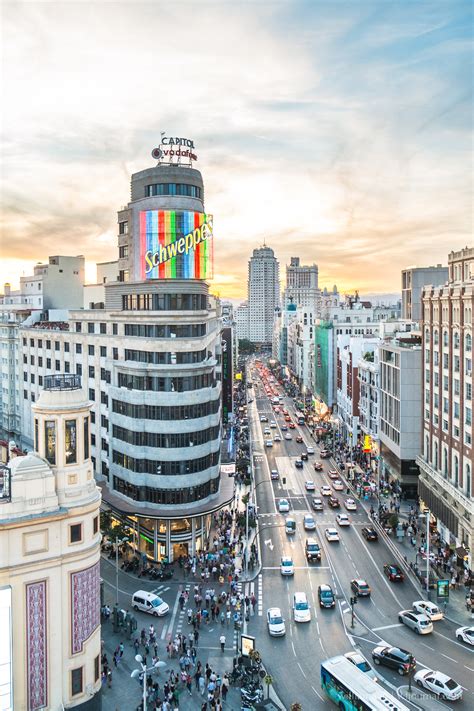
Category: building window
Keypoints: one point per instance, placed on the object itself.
(36, 435)
(86, 438)
(75, 533)
(468, 391)
(93, 440)
(71, 441)
(103, 398)
(48, 363)
(78, 327)
(76, 681)
(78, 369)
(123, 228)
(32, 343)
(103, 328)
(103, 352)
(123, 251)
(468, 342)
(40, 362)
(66, 367)
(115, 329)
(91, 350)
(48, 345)
(95, 525)
(40, 380)
(468, 413)
(97, 668)
(92, 394)
(90, 328)
(91, 371)
(57, 346)
(66, 347)
(78, 347)
(50, 441)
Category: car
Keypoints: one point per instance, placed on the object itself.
(263, 418)
(310, 450)
(301, 608)
(325, 490)
(429, 609)
(326, 596)
(290, 526)
(360, 587)
(283, 506)
(275, 622)
(393, 573)
(317, 504)
(332, 535)
(284, 428)
(440, 684)
(395, 658)
(287, 418)
(310, 485)
(370, 534)
(269, 443)
(286, 565)
(465, 634)
(343, 519)
(287, 435)
(421, 624)
(274, 475)
(267, 431)
(299, 464)
(333, 474)
(350, 505)
(273, 425)
(292, 425)
(299, 439)
(304, 456)
(325, 454)
(309, 523)
(147, 601)
(285, 412)
(361, 663)
(338, 485)
(333, 502)
(312, 550)
(277, 438)
(318, 466)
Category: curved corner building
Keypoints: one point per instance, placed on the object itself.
(164, 396)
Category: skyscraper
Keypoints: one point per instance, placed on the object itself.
(263, 294)
(302, 285)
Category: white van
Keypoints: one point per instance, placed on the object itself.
(301, 609)
(149, 602)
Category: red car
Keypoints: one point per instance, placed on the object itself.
(292, 425)
(393, 573)
(299, 439)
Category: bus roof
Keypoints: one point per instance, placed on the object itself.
(358, 682)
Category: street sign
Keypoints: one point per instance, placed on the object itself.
(442, 589)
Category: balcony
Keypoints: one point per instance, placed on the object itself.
(456, 494)
(5, 484)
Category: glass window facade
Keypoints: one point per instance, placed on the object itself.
(173, 189)
(166, 496)
(70, 441)
(86, 438)
(50, 441)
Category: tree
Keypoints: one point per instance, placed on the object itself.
(393, 521)
(246, 346)
(111, 528)
(296, 707)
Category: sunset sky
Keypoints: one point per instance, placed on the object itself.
(337, 131)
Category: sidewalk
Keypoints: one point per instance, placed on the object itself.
(409, 555)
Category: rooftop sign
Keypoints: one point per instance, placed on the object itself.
(172, 150)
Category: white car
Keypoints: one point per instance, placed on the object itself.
(273, 425)
(287, 435)
(286, 565)
(277, 438)
(301, 608)
(337, 485)
(421, 624)
(263, 418)
(429, 609)
(267, 431)
(332, 535)
(310, 485)
(465, 634)
(310, 450)
(361, 663)
(343, 519)
(440, 684)
(326, 490)
(275, 622)
(269, 443)
(350, 505)
(309, 523)
(283, 506)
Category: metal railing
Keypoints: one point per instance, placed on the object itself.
(5, 484)
(62, 382)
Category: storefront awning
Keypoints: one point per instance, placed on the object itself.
(461, 552)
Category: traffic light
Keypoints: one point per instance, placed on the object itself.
(353, 600)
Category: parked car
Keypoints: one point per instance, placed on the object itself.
(394, 658)
(393, 573)
(361, 663)
(429, 609)
(334, 502)
(421, 624)
(440, 684)
(317, 504)
(370, 534)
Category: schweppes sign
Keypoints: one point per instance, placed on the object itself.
(176, 244)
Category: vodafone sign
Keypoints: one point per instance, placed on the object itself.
(173, 149)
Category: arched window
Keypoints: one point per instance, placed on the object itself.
(445, 338)
(427, 335)
(468, 342)
(456, 339)
(436, 337)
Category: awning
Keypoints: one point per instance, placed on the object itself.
(461, 552)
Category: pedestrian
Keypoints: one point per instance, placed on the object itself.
(136, 644)
(222, 641)
(121, 649)
(224, 690)
(189, 682)
(196, 638)
(202, 685)
(109, 678)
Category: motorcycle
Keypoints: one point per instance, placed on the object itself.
(252, 694)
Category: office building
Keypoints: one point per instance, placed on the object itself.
(302, 286)
(242, 321)
(94, 294)
(413, 282)
(49, 560)
(263, 294)
(446, 460)
(56, 285)
(151, 365)
(349, 350)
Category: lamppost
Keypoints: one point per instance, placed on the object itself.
(118, 541)
(144, 670)
(427, 512)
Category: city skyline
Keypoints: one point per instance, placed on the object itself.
(356, 158)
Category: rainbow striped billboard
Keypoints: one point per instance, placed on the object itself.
(176, 244)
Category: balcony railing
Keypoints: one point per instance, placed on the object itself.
(62, 382)
(5, 484)
(455, 493)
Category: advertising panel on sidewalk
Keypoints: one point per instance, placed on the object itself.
(247, 645)
(442, 589)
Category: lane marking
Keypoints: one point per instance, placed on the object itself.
(453, 641)
(301, 670)
(450, 658)
(293, 646)
(378, 570)
(387, 627)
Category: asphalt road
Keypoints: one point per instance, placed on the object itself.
(294, 660)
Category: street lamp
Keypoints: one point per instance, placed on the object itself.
(136, 673)
(118, 541)
(427, 512)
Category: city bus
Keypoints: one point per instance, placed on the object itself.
(352, 690)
